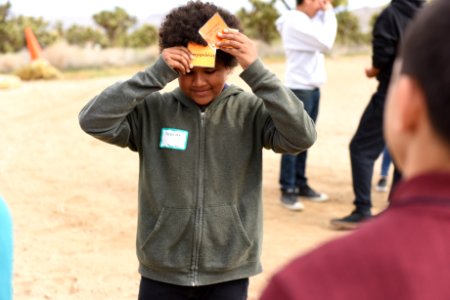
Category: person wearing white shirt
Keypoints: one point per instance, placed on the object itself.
(307, 33)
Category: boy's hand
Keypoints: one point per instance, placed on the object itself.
(238, 45)
(178, 58)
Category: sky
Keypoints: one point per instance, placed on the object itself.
(81, 11)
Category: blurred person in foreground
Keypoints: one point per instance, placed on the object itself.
(6, 252)
(403, 253)
(307, 32)
(200, 151)
(368, 142)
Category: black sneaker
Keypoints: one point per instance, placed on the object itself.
(308, 193)
(351, 221)
(382, 185)
(290, 201)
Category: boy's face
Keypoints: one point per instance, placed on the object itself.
(203, 85)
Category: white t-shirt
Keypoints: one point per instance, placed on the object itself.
(305, 40)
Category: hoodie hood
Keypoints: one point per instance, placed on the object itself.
(408, 7)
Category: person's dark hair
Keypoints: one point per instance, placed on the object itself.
(426, 58)
(181, 26)
(299, 2)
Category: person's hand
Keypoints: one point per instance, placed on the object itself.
(178, 58)
(238, 45)
(372, 72)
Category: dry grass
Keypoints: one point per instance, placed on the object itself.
(87, 62)
(38, 69)
(66, 57)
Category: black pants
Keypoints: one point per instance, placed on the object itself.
(230, 290)
(365, 147)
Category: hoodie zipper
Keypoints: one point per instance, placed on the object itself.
(198, 218)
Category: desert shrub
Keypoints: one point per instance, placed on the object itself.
(38, 69)
(349, 30)
(12, 31)
(84, 36)
(116, 24)
(144, 36)
(259, 21)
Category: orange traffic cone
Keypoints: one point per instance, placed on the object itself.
(32, 43)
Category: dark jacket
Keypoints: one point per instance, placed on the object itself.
(200, 208)
(387, 35)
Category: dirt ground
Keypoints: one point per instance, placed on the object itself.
(73, 198)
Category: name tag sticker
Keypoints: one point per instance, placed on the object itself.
(172, 138)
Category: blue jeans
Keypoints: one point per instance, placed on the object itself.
(293, 167)
(385, 162)
(6, 252)
(231, 290)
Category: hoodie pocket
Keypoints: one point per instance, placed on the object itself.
(169, 244)
(225, 243)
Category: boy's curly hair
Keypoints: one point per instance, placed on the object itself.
(181, 26)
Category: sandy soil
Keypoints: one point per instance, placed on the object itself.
(73, 198)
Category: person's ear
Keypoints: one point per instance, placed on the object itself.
(411, 104)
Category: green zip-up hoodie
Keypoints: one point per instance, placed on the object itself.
(200, 176)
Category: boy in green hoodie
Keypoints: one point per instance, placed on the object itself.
(200, 154)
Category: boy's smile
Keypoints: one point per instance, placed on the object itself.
(203, 85)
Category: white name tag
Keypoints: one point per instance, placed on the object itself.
(172, 138)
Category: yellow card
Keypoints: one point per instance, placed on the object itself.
(211, 28)
(204, 56)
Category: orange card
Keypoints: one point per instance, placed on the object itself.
(204, 56)
(211, 28)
